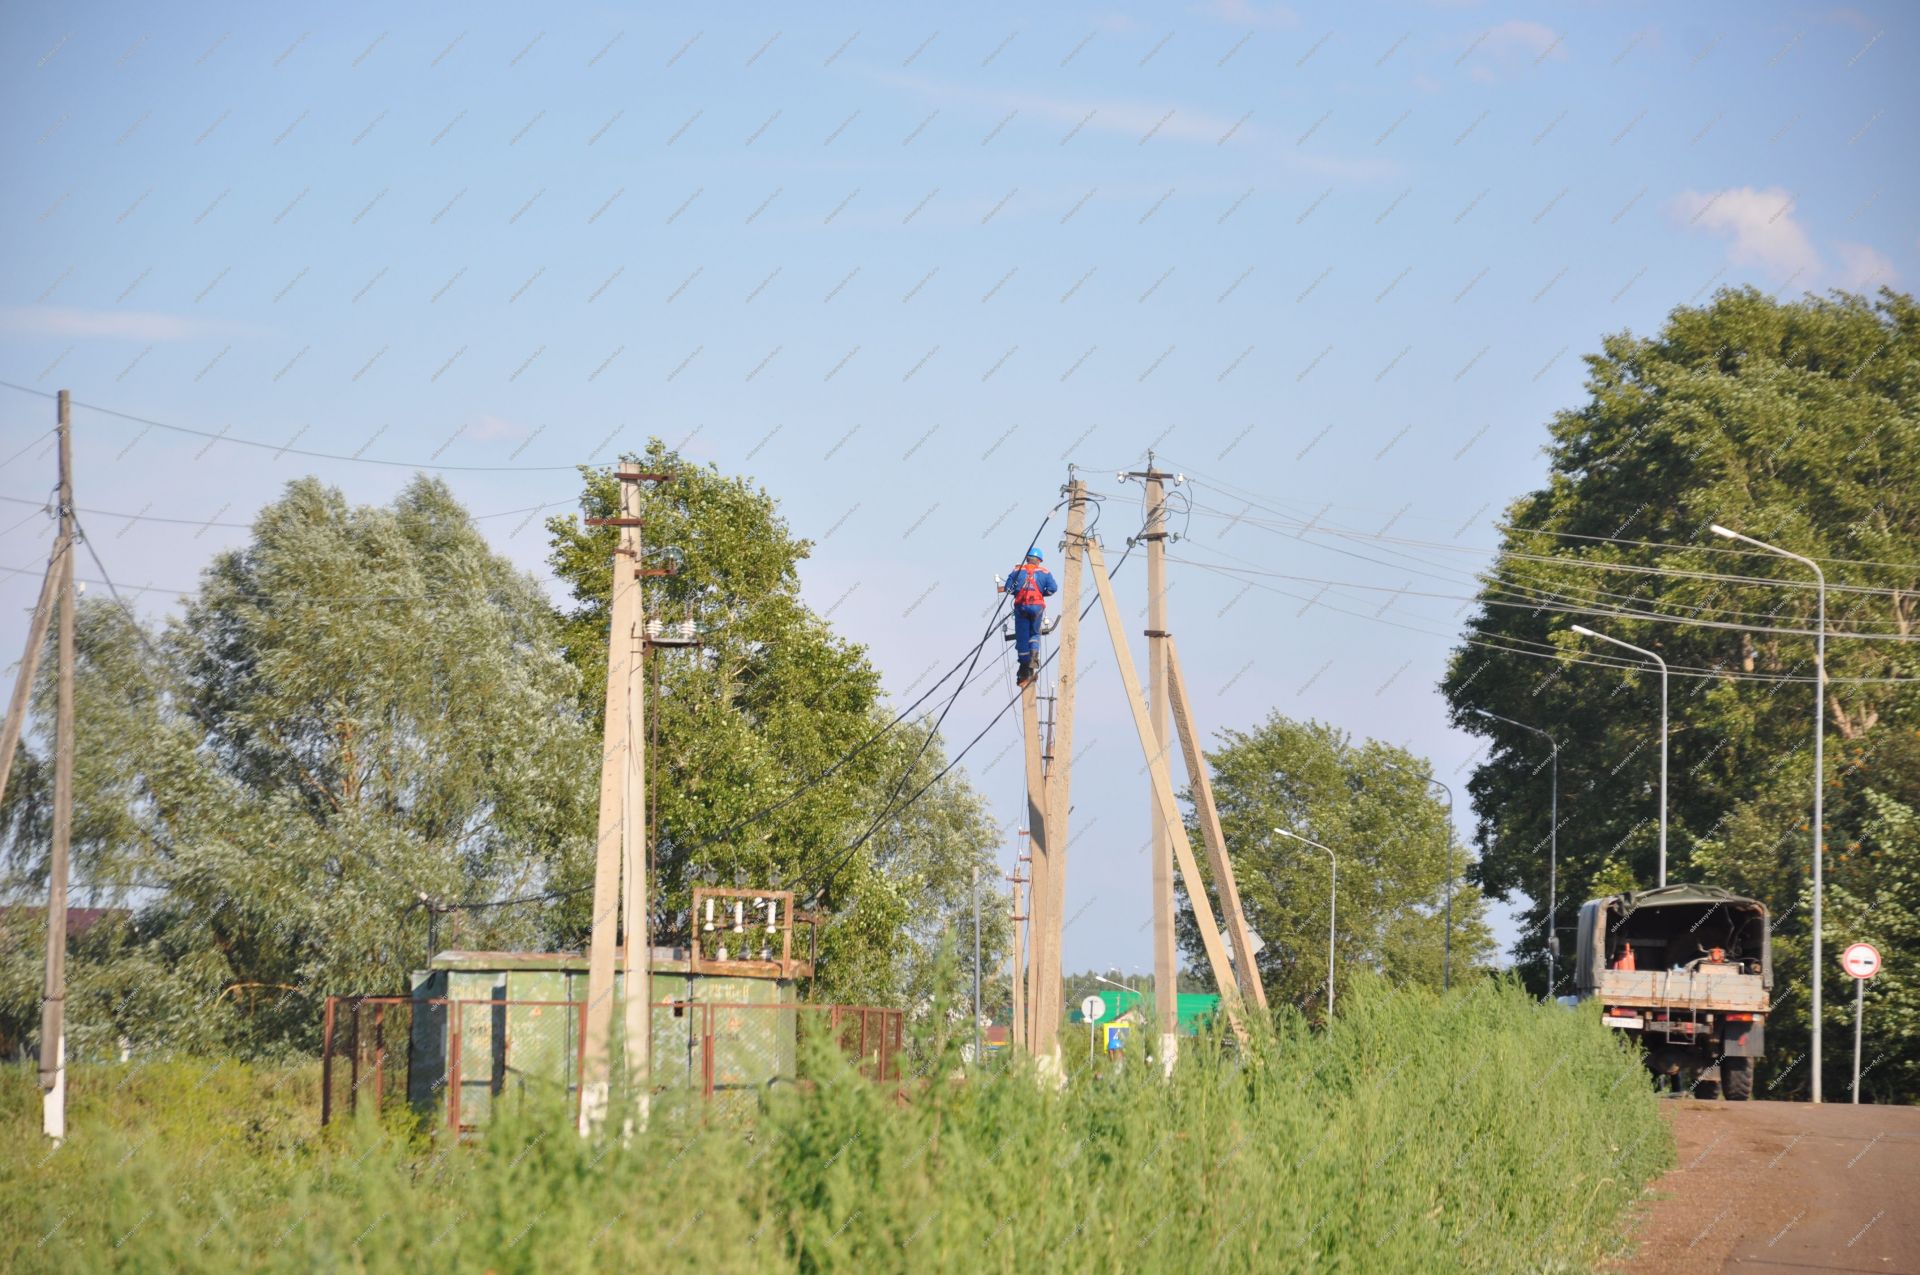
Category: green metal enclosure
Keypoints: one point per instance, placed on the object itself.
(519, 1019)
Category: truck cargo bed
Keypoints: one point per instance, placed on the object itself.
(1678, 989)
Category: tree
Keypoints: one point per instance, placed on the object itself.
(1372, 806)
(1798, 423)
(750, 734)
(360, 707)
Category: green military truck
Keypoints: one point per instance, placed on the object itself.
(1688, 971)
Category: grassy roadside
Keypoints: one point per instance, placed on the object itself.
(1482, 1131)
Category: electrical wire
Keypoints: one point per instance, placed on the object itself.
(1555, 653)
(1254, 498)
(282, 449)
(1490, 580)
(38, 439)
(196, 522)
(1534, 604)
(1312, 527)
(957, 757)
(968, 661)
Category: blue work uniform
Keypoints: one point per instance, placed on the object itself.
(1028, 586)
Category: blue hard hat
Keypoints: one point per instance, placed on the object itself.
(1035, 554)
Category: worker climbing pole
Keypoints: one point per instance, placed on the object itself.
(1031, 585)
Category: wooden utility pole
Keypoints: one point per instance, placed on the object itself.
(1167, 808)
(1040, 1033)
(1202, 784)
(1017, 1028)
(1051, 1002)
(1166, 960)
(29, 664)
(619, 777)
(53, 1008)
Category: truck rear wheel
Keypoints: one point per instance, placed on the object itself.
(1736, 1078)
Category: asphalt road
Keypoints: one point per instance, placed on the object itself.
(1785, 1187)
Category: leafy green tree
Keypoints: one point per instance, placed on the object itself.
(359, 707)
(1370, 803)
(1798, 423)
(747, 730)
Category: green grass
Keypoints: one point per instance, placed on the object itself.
(1481, 1131)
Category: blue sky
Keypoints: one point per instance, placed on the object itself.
(903, 265)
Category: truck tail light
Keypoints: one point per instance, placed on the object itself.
(1737, 1018)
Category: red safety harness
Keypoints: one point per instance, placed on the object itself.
(1028, 594)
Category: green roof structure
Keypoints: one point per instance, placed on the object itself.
(1194, 1012)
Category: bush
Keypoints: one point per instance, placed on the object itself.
(1476, 1131)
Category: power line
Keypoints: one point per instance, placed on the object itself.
(197, 522)
(1551, 652)
(1242, 494)
(1535, 605)
(968, 660)
(285, 450)
(957, 757)
(38, 440)
(1312, 526)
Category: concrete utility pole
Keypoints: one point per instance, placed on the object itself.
(620, 778)
(53, 1009)
(636, 964)
(1040, 1033)
(1202, 784)
(1017, 1028)
(1050, 1004)
(1169, 809)
(1166, 960)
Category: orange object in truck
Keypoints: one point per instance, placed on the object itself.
(1626, 959)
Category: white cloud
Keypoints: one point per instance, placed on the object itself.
(487, 428)
(1129, 119)
(1759, 223)
(1863, 269)
(1246, 13)
(1524, 39)
(1851, 17)
(127, 325)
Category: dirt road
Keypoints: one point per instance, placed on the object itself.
(1785, 1187)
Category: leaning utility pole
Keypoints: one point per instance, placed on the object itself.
(29, 664)
(1166, 961)
(1166, 806)
(1051, 1001)
(53, 1009)
(1209, 814)
(621, 782)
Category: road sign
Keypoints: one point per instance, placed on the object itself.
(1862, 960)
(1255, 944)
(1093, 1008)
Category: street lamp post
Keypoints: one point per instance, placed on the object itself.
(1584, 631)
(1333, 905)
(1446, 958)
(976, 966)
(1553, 839)
(1819, 767)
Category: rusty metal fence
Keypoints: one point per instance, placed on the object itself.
(453, 1061)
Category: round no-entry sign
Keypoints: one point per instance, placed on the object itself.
(1862, 960)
